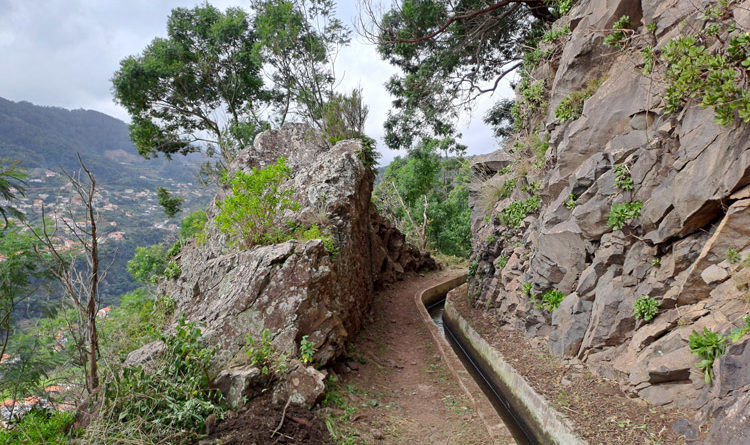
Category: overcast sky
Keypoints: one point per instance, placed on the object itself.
(64, 52)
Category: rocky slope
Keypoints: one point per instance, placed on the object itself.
(295, 288)
(686, 248)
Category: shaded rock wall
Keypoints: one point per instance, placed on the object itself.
(692, 176)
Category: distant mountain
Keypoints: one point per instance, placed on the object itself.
(50, 137)
(46, 139)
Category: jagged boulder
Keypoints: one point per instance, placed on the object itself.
(295, 288)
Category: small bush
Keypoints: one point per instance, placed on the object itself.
(570, 203)
(571, 106)
(172, 271)
(501, 262)
(176, 247)
(648, 60)
(617, 38)
(306, 350)
(623, 180)
(526, 288)
(622, 213)
(514, 214)
(166, 405)
(248, 213)
(39, 426)
(264, 355)
(193, 224)
(645, 308)
(507, 188)
(733, 256)
(708, 346)
(552, 299)
(553, 35)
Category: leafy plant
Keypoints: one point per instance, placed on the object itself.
(656, 262)
(526, 288)
(552, 299)
(651, 27)
(620, 27)
(264, 355)
(645, 308)
(507, 188)
(172, 271)
(491, 239)
(502, 260)
(514, 214)
(172, 204)
(193, 224)
(708, 346)
(248, 213)
(553, 35)
(733, 256)
(39, 426)
(740, 332)
(570, 203)
(306, 350)
(623, 180)
(148, 262)
(571, 106)
(168, 404)
(622, 213)
(719, 79)
(473, 268)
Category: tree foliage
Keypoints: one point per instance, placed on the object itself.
(12, 184)
(148, 262)
(202, 83)
(171, 204)
(449, 53)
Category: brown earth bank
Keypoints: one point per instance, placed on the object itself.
(600, 412)
(391, 388)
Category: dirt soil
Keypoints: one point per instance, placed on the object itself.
(601, 413)
(392, 388)
(256, 422)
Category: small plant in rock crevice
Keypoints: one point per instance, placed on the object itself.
(656, 262)
(623, 180)
(264, 355)
(526, 288)
(620, 32)
(553, 35)
(473, 268)
(306, 350)
(501, 262)
(550, 300)
(514, 214)
(740, 332)
(733, 256)
(622, 213)
(172, 271)
(571, 106)
(645, 308)
(570, 203)
(708, 346)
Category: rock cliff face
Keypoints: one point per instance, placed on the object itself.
(295, 288)
(691, 176)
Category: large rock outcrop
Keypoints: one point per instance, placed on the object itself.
(294, 288)
(691, 176)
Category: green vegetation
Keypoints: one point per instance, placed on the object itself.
(645, 308)
(40, 426)
(551, 299)
(491, 239)
(193, 224)
(172, 271)
(656, 262)
(553, 35)
(12, 185)
(501, 261)
(623, 180)
(171, 204)
(306, 350)
(167, 404)
(426, 183)
(473, 268)
(733, 256)
(622, 213)
(571, 106)
(148, 263)
(708, 346)
(621, 27)
(508, 186)
(526, 288)
(570, 203)
(740, 332)
(248, 213)
(514, 214)
(264, 355)
(719, 80)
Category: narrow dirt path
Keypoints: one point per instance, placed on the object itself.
(395, 388)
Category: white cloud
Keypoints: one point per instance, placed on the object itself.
(64, 52)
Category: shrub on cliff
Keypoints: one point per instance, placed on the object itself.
(247, 214)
